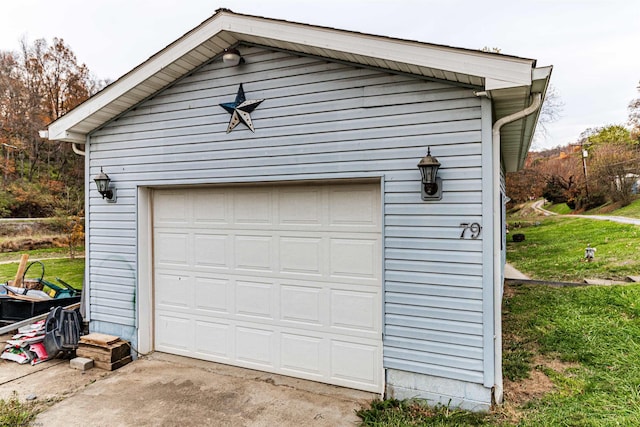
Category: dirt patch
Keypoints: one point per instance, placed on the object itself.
(518, 393)
(509, 292)
(609, 208)
(30, 228)
(31, 243)
(25, 234)
(523, 210)
(534, 387)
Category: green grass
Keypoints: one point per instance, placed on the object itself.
(69, 270)
(630, 211)
(586, 340)
(554, 249)
(393, 412)
(561, 208)
(14, 413)
(595, 331)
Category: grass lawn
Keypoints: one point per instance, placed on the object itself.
(560, 208)
(631, 211)
(69, 270)
(553, 249)
(584, 340)
(571, 358)
(571, 355)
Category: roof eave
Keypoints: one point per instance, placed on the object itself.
(207, 41)
(517, 137)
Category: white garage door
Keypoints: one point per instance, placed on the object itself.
(284, 279)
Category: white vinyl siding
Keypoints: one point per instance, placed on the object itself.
(319, 121)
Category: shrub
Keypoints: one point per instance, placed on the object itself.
(14, 413)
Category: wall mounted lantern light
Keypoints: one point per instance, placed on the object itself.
(103, 183)
(431, 184)
(232, 57)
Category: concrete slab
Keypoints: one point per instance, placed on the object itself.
(633, 278)
(510, 272)
(49, 381)
(171, 390)
(604, 282)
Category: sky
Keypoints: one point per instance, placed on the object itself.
(593, 45)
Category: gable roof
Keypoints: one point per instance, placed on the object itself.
(509, 81)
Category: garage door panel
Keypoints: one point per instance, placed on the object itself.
(211, 207)
(214, 339)
(174, 291)
(211, 250)
(254, 299)
(174, 334)
(301, 255)
(355, 310)
(172, 249)
(302, 353)
(255, 346)
(355, 362)
(170, 207)
(355, 207)
(301, 207)
(252, 252)
(301, 304)
(213, 294)
(253, 207)
(285, 279)
(354, 258)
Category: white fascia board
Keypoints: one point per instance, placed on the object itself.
(510, 70)
(541, 77)
(58, 129)
(507, 71)
(541, 73)
(66, 136)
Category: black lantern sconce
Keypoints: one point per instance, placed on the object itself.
(103, 183)
(232, 57)
(431, 183)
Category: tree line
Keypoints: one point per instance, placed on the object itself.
(601, 167)
(38, 84)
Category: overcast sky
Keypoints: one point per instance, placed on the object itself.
(594, 46)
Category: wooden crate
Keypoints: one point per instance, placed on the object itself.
(112, 366)
(110, 353)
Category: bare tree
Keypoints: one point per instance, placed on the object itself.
(615, 168)
(550, 112)
(38, 84)
(634, 117)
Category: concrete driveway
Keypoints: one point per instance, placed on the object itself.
(166, 390)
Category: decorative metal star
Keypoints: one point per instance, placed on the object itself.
(240, 110)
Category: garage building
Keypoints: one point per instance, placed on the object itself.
(265, 208)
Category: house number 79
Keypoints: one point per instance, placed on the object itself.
(473, 228)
